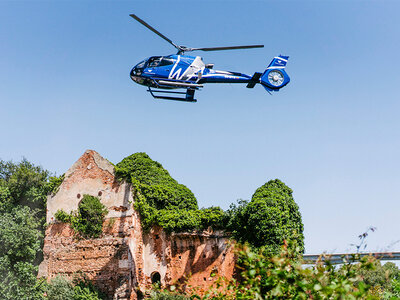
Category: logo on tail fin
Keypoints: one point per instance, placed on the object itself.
(278, 62)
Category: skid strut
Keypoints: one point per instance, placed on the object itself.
(158, 94)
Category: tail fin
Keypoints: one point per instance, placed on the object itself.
(279, 61)
(275, 77)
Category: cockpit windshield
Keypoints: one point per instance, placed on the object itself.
(166, 61)
(141, 65)
(154, 61)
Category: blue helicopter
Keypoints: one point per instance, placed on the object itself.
(162, 74)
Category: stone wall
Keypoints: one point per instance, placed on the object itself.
(125, 261)
(194, 260)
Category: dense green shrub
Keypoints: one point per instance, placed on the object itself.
(88, 220)
(54, 183)
(161, 200)
(180, 220)
(270, 218)
(284, 277)
(84, 289)
(62, 216)
(61, 288)
(166, 295)
(23, 193)
(213, 217)
(383, 279)
(154, 183)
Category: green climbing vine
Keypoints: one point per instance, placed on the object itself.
(87, 221)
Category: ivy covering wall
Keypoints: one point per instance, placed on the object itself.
(161, 200)
(269, 219)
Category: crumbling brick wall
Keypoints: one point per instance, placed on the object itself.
(125, 261)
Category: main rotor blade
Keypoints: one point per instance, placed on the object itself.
(227, 48)
(154, 30)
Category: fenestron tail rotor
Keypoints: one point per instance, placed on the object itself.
(182, 49)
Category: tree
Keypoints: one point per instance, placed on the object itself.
(269, 219)
(23, 193)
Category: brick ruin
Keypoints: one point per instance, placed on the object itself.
(125, 260)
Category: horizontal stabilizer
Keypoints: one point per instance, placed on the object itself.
(255, 79)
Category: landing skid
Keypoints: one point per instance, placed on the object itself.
(157, 94)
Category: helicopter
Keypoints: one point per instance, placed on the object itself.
(163, 75)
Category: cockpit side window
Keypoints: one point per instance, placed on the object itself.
(166, 61)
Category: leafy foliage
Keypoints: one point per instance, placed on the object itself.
(19, 236)
(18, 280)
(84, 289)
(23, 184)
(394, 291)
(383, 279)
(88, 220)
(63, 217)
(54, 183)
(61, 288)
(161, 200)
(180, 220)
(155, 184)
(269, 219)
(23, 193)
(284, 277)
(166, 295)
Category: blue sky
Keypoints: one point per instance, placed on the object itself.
(332, 134)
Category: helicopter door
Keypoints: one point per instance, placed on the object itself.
(195, 70)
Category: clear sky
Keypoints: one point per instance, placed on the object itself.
(332, 134)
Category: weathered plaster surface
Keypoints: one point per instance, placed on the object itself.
(92, 175)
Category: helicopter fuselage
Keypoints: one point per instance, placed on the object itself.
(179, 71)
(173, 71)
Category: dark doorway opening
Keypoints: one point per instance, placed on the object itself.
(155, 278)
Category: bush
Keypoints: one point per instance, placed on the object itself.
(60, 288)
(23, 194)
(284, 277)
(62, 216)
(160, 199)
(88, 220)
(269, 219)
(84, 289)
(382, 278)
(166, 295)
(54, 183)
(154, 183)
(90, 217)
(213, 217)
(179, 220)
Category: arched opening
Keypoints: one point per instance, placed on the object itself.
(155, 278)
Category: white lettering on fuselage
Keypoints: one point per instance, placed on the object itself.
(178, 72)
